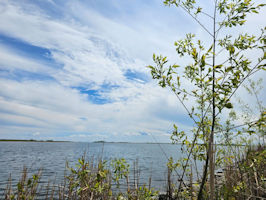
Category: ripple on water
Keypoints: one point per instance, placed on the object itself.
(52, 157)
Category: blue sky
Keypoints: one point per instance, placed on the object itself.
(75, 70)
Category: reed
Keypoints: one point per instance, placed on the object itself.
(89, 179)
(246, 179)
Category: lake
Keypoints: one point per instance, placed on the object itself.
(52, 156)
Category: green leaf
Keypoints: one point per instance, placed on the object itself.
(228, 105)
(218, 66)
(178, 81)
(29, 182)
(175, 66)
(210, 49)
(228, 69)
(198, 10)
(231, 49)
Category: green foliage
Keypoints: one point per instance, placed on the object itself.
(145, 193)
(27, 188)
(213, 83)
(87, 180)
(120, 169)
(248, 179)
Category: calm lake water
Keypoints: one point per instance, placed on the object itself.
(51, 157)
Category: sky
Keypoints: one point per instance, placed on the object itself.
(75, 70)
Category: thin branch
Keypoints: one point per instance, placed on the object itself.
(241, 82)
(210, 152)
(206, 14)
(180, 90)
(237, 126)
(202, 12)
(183, 104)
(164, 152)
(231, 57)
(222, 23)
(190, 152)
(257, 98)
(220, 51)
(195, 19)
(255, 71)
(191, 149)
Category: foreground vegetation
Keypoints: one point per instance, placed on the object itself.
(246, 179)
(89, 179)
(241, 179)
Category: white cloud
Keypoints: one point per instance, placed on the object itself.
(93, 50)
(54, 109)
(12, 61)
(86, 57)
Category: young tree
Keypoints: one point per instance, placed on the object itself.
(215, 73)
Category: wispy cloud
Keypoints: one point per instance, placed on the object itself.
(72, 70)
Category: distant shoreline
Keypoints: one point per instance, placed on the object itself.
(99, 142)
(10, 140)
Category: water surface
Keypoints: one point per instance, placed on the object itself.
(52, 156)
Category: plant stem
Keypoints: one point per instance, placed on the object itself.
(210, 152)
(211, 141)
